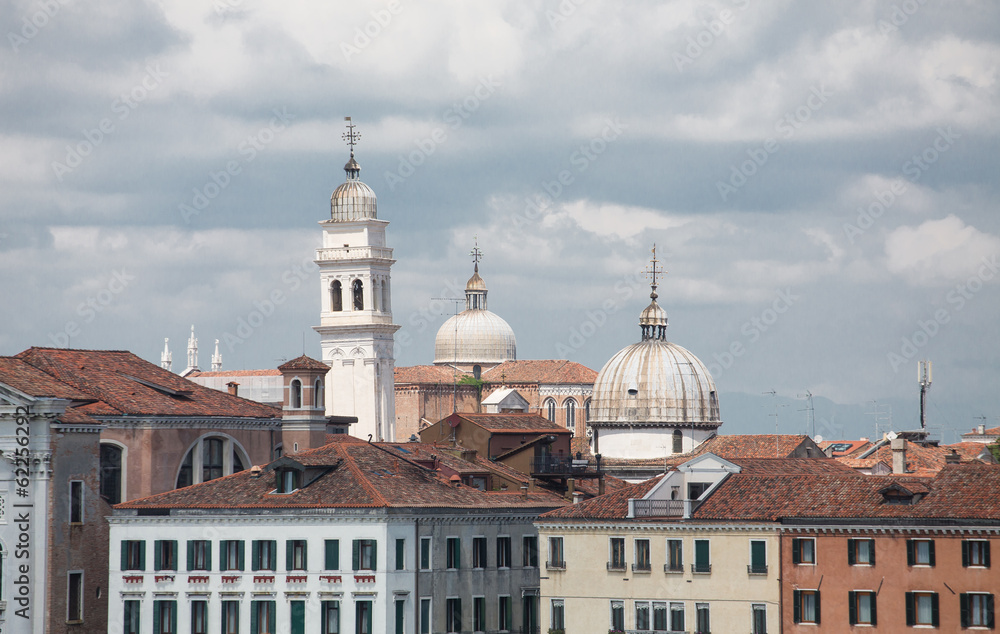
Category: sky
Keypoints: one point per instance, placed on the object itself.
(819, 179)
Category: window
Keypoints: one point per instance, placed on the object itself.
(76, 502)
(453, 552)
(425, 553)
(425, 615)
(503, 552)
(111, 473)
(336, 297)
(295, 394)
(529, 555)
(262, 617)
(264, 554)
(164, 617)
(230, 617)
(922, 608)
(550, 409)
(199, 617)
(330, 617)
(165, 554)
(642, 615)
(231, 554)
(556, 559)
(977, 610)
(74, 597)
(296, 556)
(678, 441)
(861, 552)
(976, 553)
(861, 608)
(659, 615)
(570, 413)
(616, 556)
(318, 394)
(357, 290)
(400, 616)
(131, 618)
(210, 458)
(702, 618)
(695, 489)
(331, 554)
(287, 480)
(675, 556)
(805, 606)
(478, 614)
(676, 617)
(920, 552)
(702, 559)
(401, 554)
(364, 556)
(758, 618)
(642, 562)
(803, 550)
(478, 552)
(618, 615)
(133, 554)
(505, 613)
(758, 557)
(453, 615)
(586, 410)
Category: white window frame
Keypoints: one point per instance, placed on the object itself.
(69, 585)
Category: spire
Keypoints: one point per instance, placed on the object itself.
(216, 358)
(166, 357)
(475, 288)
(192, 351)
(352, 136)
(653, 320)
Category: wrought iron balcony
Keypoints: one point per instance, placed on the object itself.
(758, 569)
(701, 568)
(560, 465)
(616, 565)
(664, 508)
(669, 568)
(641, 567)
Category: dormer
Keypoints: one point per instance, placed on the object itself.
(899, 494)
(290, 475)
(680, 492)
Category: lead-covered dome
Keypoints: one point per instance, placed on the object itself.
(353, 200)
(475, 336)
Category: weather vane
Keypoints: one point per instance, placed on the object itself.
(654, 269)
(352, 136)
(476, 253)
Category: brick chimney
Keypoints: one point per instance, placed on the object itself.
(899, 455)
(952, 457)
(234, 388)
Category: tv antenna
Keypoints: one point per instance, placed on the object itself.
(810, 412)
(777, 450)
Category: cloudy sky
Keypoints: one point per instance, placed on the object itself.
(820, 180)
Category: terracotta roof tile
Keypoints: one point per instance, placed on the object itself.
(24, 377)
(612, 505)
(549, 371)
(426, 374)
(303, 363)
(514, 422)
(236, 373)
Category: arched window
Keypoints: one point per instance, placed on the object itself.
(295, 398)
(111, 473)
(586, 411)
(385, 296)
(375, 295)
(570, 413)
(336, 297)
(678, 441)
(550, 410)
(359, 298)
(318, 393)
(210, 458)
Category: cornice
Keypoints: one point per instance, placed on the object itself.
(190, 422)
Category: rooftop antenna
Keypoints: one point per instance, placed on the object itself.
(777, 450)
(880, 415)
(454, 365)
(810, 412)
(924, 379)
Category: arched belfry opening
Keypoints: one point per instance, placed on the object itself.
(336, 297)
(357, 291)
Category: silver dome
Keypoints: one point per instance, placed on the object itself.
(352, 200)
(475, 336)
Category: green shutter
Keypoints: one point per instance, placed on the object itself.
(871, 557)
(157, 559)
(910, 555)
(965, 558)
(400, 550)
(124, 555)
(289, 559)
(817, 607)
(796, 604)
(208, 555)
(223, 554)
(253, 617)
(796, 553)
(190, 555)
(934, 608)
(701, 558)
(399, 616)
(963, 599)
(758, 554)
(930, 547)
(254, 554)
(910, 620)
(305, 555)
(374, 555)
(298, 617)
(240, 555)
(986, 555)
(356, 554)
(173, 616)
(272, 561)
(852, 607)
(851, 558)
(990, 621)
(272, 616)
(156, 616)
(332, 554)
(142, 554)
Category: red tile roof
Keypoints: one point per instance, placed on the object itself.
(921, 460)
(523, 423)
(360, 475)
(123, 384)
(548, 371)
(426, 374)
(612, 505)
(303, 363)
(729, 447)
(28, 379)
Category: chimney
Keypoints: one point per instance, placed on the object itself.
(524, 491)
(234, 388)
(577, 496)
(952, 457)
(981, 430)
(899, 455)
(571, 489)
(600, 485)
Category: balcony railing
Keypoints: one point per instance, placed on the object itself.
(701, 568)
(664, 508)
(555, 565)
(616, 565)
(757, 569)
(673, 568)
(641, 567)
(354, 253)
(556, 465)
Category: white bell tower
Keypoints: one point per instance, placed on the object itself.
(356, 329)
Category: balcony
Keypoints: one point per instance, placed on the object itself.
(757, 569)
(642, 567)
(663, 508)
(617, 566)
(555, 565)
(701, 569)
(556, 465)
(671, 568)
(354, 253)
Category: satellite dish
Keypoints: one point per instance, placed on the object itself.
(891, 436)
(818, 439)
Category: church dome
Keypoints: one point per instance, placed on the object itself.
(475, 337)
(352, 200)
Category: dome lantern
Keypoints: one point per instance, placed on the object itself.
(352, 200)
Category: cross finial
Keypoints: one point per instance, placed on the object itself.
(476, 253)
(352, 136)
(653, 270)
